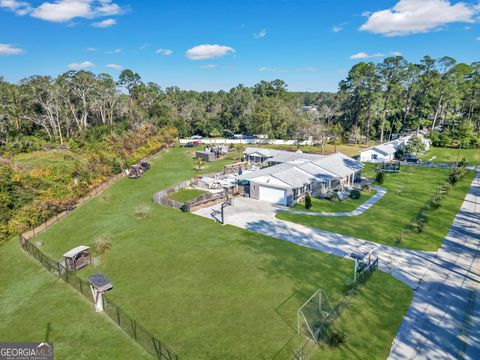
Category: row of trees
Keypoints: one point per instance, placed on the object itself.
(379, 99)
(373, 102)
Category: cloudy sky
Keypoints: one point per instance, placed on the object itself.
(213, 44)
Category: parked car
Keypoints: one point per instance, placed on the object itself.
(193, 143)
(196, 137)
(411, 158)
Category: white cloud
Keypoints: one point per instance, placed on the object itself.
(104, 23)
(261, 34)
(418, 16)
(269, 69)
(114, 51)
(395, 53)
(63, 10)
(7, 49)
(478, 38)
(339, 27)
(115, 66)
(208, 51)
(90, 49)
(67, 10)
(308, 69)
(81, 66)
(364, 55)
(166, 52)
(209, 66)
(18, 7)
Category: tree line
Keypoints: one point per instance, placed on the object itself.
(373, 102)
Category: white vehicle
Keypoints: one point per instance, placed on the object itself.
(196, 137)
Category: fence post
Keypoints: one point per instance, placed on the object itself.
(118, 314)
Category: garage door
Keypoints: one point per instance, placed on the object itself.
(276, 196)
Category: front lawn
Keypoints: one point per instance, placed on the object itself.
(408, 192)
(185, 195)
(325, 205)
(211, 291)
(448, 155)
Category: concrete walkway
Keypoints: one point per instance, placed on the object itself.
(380, 192)
(443, 321)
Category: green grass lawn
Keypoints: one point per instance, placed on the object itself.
(446, 155)
(36, 306)
(211, 291)
(325, 205)
(408, 191)
(185, 195)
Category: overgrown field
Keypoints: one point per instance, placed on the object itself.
(211, 291)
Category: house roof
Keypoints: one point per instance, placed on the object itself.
(261, 151)
(282, 156)
(296, 175)
(339, 164)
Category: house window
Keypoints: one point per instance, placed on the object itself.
(374, 157)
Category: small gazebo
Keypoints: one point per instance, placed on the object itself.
(77, 258)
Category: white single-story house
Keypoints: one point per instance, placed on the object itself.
(386, 152)
(294, 174)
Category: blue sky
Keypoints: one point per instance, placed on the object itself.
(212, 45)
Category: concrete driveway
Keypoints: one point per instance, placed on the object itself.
(259, 216)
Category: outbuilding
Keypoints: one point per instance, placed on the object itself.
(77, 258)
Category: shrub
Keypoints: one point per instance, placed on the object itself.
(436, 200)
(335, 337)
(143, 212)
(102, 244)
(380, 177)
(334, 198)
(355, 194)
(308, 202)
(366, 188)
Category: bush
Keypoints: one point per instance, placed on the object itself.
(380, 177)
(355, 194)
(334, 198)
(308, 202)
(335, 337)
(102, 244)
(366, 188)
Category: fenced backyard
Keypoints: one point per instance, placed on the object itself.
(125, 321)
(163, 197)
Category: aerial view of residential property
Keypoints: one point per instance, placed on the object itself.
(239, 180)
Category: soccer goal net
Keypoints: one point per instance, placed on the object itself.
(315, 315)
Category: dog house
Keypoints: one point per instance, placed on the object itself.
(99, 284)
(77, 258)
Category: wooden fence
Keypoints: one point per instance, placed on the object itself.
(163, 197)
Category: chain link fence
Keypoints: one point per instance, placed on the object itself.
(125, 321)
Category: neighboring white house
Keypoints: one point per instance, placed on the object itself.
(291, 174)
(386, 152)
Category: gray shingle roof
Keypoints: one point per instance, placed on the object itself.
(298, 174)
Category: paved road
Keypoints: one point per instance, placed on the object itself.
(406, 265)
(358, 211)
(443, 321)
